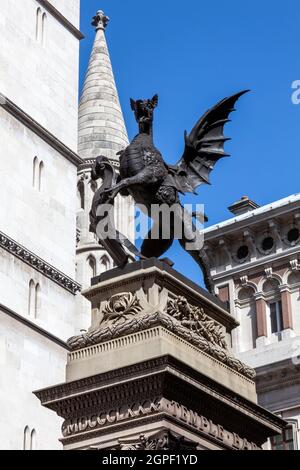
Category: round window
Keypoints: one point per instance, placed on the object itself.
(293, 235)
(267, 244)
(242, 252)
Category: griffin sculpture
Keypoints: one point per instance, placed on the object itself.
(149, 180)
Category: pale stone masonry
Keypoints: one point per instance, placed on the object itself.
(39, 59)
(102, 129)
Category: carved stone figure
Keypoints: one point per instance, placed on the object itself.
(149, 180)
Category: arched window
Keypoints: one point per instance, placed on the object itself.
(44, 29)
(31, 299)
(38, 174)
(276, 319)
(246, 293)
(80, 195)
(270, 286)
(104, 264)
(294, 278)
(35, 172)
(274, 306)
(26, 438)
(33, 440)
(29, 439)
(41, 175)
(39, 25)
(37, 300)
(34, 299)
(91, 264)
(246, 310)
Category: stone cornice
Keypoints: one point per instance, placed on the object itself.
(33, 326)
(61, 18)
(237, 225)
(88, 247)
(39, 130)
(277, 375)
(250, 265)
(38, 264)
(154, 377)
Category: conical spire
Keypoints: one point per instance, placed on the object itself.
(102, 129)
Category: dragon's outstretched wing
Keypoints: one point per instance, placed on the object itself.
(204, 146)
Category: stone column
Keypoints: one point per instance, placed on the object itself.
(261, 319)
(287, 316)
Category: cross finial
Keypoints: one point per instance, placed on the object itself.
(100, 21)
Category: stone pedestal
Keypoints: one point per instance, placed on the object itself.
(156, 370)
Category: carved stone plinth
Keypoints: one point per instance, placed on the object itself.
(155, 371)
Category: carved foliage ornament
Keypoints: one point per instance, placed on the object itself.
(123, 315)
(120, 307)
(194, 319)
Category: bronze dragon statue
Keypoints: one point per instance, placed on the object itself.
(149, 180)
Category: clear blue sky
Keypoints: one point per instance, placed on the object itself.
(194, 53)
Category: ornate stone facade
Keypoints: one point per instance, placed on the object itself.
(128, 313)
(255, 266)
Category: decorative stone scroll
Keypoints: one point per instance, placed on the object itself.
(124, 314)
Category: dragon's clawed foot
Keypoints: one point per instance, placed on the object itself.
(109, 195)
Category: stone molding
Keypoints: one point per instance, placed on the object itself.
(38, 264)
(126, 314)
(141, 387)
(255, 264)
(62, 397)
(155, 271)
(276, 376)
(61, 18)
(157, 442)
(139, 337)
(88, 163)
(34, 327)
(39, 130)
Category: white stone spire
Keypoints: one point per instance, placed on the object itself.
(102, 129)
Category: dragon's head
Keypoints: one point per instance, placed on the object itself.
(143, 111)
